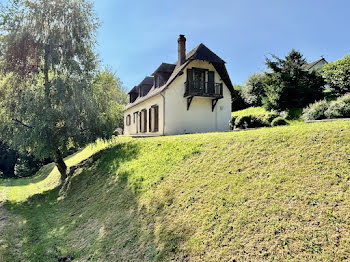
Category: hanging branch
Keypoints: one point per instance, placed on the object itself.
(21, 123)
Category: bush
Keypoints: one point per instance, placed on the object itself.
(279, 121)
(339, 108)
(249, 121)
(270, 116)
(323, 109)
(316, 111)
(242, 121)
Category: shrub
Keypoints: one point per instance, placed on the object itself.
(339, 108)
(316, 110)
(323, 109)
(233, 120)
(250, 122)
(270, 116)
(242, 121)
(279, 121)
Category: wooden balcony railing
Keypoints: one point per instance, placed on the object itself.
(205, 89)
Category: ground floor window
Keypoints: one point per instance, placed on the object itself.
(128, 120)
(154, 118)
(143, 121)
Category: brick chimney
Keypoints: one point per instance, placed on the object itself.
(181, 49)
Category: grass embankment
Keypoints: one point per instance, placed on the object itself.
(254, 111)
(274, 194)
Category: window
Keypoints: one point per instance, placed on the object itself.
(135, 117)
(153, 118)
(128, 120)
(143, 121)
(156, 117)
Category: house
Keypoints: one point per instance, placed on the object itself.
(316, 65)
(192, 95)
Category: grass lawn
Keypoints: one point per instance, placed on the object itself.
(271, 194)
(254, 111)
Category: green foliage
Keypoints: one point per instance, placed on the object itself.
(316, 110)
(336, 75)
(279, 121)
(52, 99)
(237, 99)
(324, 109)
(339, 108)
(268, 117)
(8, 159)
(110, 87)
(254, 90)
(289, 85)
(250, 121)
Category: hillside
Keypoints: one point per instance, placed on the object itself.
(269, 194)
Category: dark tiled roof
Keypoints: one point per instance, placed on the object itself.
(311, 65)
(200, 52)
(165, 67)
(147, 81)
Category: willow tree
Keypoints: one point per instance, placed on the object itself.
(48, 66)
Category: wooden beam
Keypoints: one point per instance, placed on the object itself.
(213, 104)
(189, 101)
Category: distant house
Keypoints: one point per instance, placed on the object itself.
(316, 65)
(192, 95)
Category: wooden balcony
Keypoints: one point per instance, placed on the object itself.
(203, 89)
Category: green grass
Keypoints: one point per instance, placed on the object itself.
(254, 111)
(271, 194)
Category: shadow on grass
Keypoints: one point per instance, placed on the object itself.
(43, 173)
(99, 218)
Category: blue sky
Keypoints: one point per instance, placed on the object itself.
(136, 36)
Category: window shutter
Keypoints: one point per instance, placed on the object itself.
(144, 120)
(156, 116)
(150, 120)
(211, 82)
(189, 83)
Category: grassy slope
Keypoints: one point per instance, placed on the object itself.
(268, 194)
(254, 111)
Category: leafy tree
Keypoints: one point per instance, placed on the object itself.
(237, 99)
(288, 85)
(337, 75)
(254, 90)
(109, 84)
(49, 100)
(8, 159)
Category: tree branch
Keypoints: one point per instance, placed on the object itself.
(21, 123)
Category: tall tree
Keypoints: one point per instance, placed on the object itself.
(254, 90)
(337, 75)
(288, 85)
(48, 67)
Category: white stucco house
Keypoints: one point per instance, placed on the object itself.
(192, 95)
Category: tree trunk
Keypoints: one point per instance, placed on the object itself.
(61, 166)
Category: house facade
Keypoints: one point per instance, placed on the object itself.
(192, 95)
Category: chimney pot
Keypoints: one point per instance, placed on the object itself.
(181, 49)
